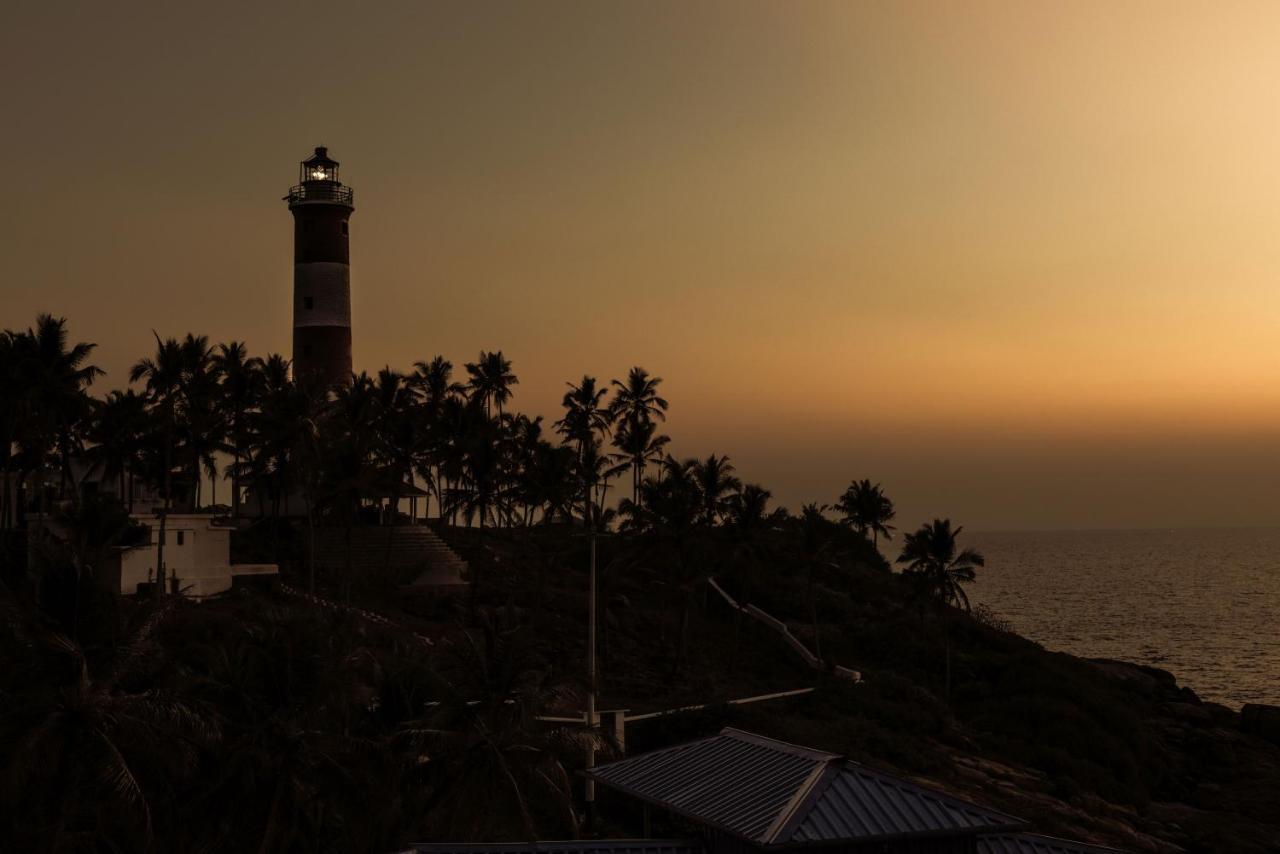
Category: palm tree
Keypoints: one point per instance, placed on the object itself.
(866, 508)
(548, 481)
(585, 414)
(638, 446)
(201, 424)
(242, 386)
(750, 526)
(13, 403)
(637, 399)
(940, 572)
(79, 740)
(816, 552)
(399, 438)
(668, 534)
(56, 376)
(491, 380)
(716, 484)
(498, 772)
(164, 378)
(433, 384)
(350, 444)
(265, 462)
(116, 433)
(92, 529)
(594, 473)
(433, 380)
(295, 425)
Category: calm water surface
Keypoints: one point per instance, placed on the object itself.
(1202, 603)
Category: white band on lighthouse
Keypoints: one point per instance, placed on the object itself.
(322, 294)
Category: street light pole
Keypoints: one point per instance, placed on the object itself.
(592, 724)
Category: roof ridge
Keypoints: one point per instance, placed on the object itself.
(778, 744)
(794, 814)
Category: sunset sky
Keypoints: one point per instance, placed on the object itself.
(1016, 261)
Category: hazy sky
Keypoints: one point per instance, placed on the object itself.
(1017, 261)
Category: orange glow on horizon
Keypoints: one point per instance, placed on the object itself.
(893, 237)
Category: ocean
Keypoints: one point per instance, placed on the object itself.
(1201, 603)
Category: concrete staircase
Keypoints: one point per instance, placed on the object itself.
(416, 553)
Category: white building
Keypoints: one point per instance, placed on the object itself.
(197, 552)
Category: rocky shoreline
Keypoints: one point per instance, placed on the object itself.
(1222, 793)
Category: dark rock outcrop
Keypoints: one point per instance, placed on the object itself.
(1261, 720)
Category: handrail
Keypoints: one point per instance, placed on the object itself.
(320, 191)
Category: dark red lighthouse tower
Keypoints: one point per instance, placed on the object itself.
(321, 207)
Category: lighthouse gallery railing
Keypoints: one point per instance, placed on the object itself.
(320, 191)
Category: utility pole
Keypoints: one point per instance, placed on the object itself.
(592, 723)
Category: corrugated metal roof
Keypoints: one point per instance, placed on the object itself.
(573, 846)
(734, 781)
(1028, 843)
(858, 803)
(772, 793)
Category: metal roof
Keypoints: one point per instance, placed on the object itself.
(858, 803)
(769, 792)
(573, 846)
(1028, 843)
(734, 781)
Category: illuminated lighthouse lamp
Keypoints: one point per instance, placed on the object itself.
(319, 167)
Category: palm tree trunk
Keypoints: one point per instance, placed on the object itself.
(164, 514)
(235, 482)
(813, 618)
(235, 464)
(682, 632)
(347, 557)
(195, 479)
(311, 546)
(391, 528)
(946, 642)
(475, 565)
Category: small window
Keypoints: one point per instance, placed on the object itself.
(309, 303)
(344, 228)
(180, 537)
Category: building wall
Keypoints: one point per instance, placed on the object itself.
(193, 548)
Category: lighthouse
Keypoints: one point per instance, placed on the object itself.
(321, 207)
